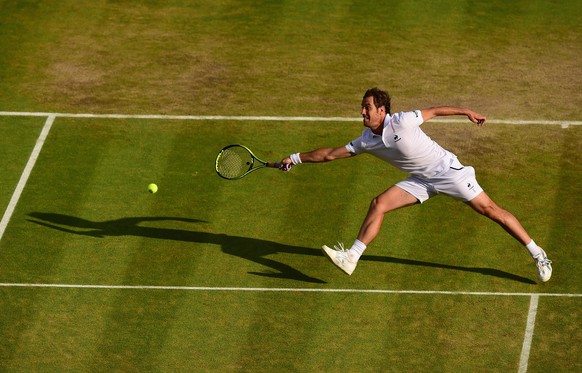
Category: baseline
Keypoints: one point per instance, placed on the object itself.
(289, 290)
(563, 123)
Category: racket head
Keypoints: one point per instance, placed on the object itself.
(234, 161)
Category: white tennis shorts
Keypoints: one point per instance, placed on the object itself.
(458, 182)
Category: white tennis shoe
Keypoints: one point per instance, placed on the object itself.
(339, 257)
(544, 266)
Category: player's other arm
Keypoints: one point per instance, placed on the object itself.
(437, 111)
(318, 156)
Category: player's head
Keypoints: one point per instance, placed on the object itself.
(381, 98)
(375, 107)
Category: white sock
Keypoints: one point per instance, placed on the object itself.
(356, 251)
(534, 249)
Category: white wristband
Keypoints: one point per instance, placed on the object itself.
(295, 158)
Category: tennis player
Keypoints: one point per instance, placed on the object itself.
(398, 140)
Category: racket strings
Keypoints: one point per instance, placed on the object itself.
(233, 162)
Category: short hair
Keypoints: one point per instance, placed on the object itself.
(381, 98)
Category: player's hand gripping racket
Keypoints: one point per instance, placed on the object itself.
(237, 161)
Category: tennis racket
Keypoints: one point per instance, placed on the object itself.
(237, 161)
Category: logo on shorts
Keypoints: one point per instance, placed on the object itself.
(397, 138)
(471, 186)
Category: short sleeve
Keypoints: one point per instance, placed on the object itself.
(409, 118)
(355, 146)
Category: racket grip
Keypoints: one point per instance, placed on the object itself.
(277, 165)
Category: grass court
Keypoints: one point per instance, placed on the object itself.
(98, 100)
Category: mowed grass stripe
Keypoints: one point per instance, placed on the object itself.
(18, 135)
(183, 329)
(124, 186)
(98, 209)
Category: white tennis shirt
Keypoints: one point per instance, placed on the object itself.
(405, 146)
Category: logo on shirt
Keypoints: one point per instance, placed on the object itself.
(397, 138)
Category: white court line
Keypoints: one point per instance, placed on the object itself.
(25, 174)
(289, 290)
(529, 330)
(563, 123)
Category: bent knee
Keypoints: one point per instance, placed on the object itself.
(375, 205)
(485, 206)
(492, 210)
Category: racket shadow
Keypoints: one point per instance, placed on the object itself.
(247, 248)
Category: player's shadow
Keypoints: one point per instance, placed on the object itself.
(251, 249)
(484, 271)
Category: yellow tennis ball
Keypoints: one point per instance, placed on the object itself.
(152, 188)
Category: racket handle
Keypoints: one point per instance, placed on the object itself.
(277, 165)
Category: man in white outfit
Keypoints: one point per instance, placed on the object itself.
(398, 140)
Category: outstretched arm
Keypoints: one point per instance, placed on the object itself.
(431, 112)
(317, 156)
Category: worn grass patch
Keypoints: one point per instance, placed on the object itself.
(511, 60)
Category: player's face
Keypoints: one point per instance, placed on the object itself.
(373, 116)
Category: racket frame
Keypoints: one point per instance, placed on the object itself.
(252, 168)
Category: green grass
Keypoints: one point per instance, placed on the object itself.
(509, 60)
(184, 331)
(85, 216)
(17, 138)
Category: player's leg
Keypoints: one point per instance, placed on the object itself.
(484, 205)
(391, 199)
(461, 183)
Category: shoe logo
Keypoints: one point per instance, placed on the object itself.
(397, 138)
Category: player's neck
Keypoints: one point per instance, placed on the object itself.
(377, 130)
